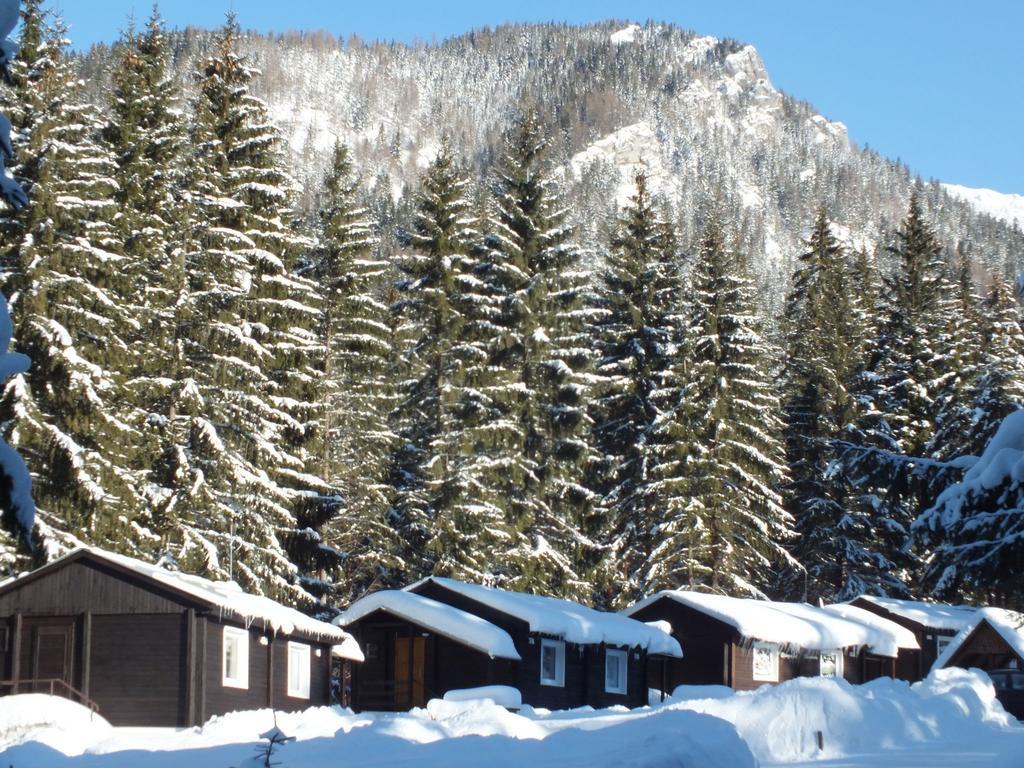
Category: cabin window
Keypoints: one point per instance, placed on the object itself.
(830, 664)
(298, 670)
(766, 662)
(552, 662)
(615, 664)
(941, 643)
(236, 658)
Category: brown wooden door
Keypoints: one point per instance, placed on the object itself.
(410, 672)
(52, 647)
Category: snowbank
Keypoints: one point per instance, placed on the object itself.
(439, 618)
(560, 618)
(48, 720)
(449, 734)
(502, 695)
(780, 723)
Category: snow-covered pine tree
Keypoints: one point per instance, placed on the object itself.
(979, 525)
(249, 341)
(356, 393)
(726, 529)
(539, 450)
(639, 339)
(824, 350)
(17, 506)
(956, 364)
(999, 388)
(65, 274)
(147, 134)
(895, 407)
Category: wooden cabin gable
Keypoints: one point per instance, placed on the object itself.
(81, 586)
(984, 648)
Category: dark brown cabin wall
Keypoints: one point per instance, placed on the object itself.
(83, 586)
(636, 679)
(138, 669)
(319, 676)
(221, 699)
(705, 643)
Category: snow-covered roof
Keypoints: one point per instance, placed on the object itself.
(570, 621)
(442, 619)
(348, 649)
(225, 596)
(903, 637)
(951, 618)
(1008, 624)
(788, 624)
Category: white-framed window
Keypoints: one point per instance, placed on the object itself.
(236, 658)
(766, 662)
(552, 662)
(615, 666)
(298, 670)
(830, 664)
(941, 643)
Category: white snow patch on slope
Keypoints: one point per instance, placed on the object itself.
(627, 35)
(628, 150)
(998, 205)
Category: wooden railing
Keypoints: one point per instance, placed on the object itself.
(56, 687)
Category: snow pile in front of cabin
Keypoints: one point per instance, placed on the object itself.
(952, 718)
(47, 720)
(502, 695)
(573, 622)
(442, 619)
(998, 205)
(952, 712)
(1008, 624)
(446, 735)
(935, 615)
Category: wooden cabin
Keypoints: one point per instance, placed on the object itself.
(744, 643)
(150, 647)
(440, 635)
(995, 640)
(934, 626)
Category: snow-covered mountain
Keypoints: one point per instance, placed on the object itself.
(998, 205)
(699, 113)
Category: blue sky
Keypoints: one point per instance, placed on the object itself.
(936, 83)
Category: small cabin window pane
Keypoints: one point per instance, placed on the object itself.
(236, 658)
(552, 662)
(298, 670)
(766, 662)
(615, 666)
(830, 664)
(941, 643)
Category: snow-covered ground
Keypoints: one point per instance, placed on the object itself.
(951, 719)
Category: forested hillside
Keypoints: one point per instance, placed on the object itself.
(529, 307)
